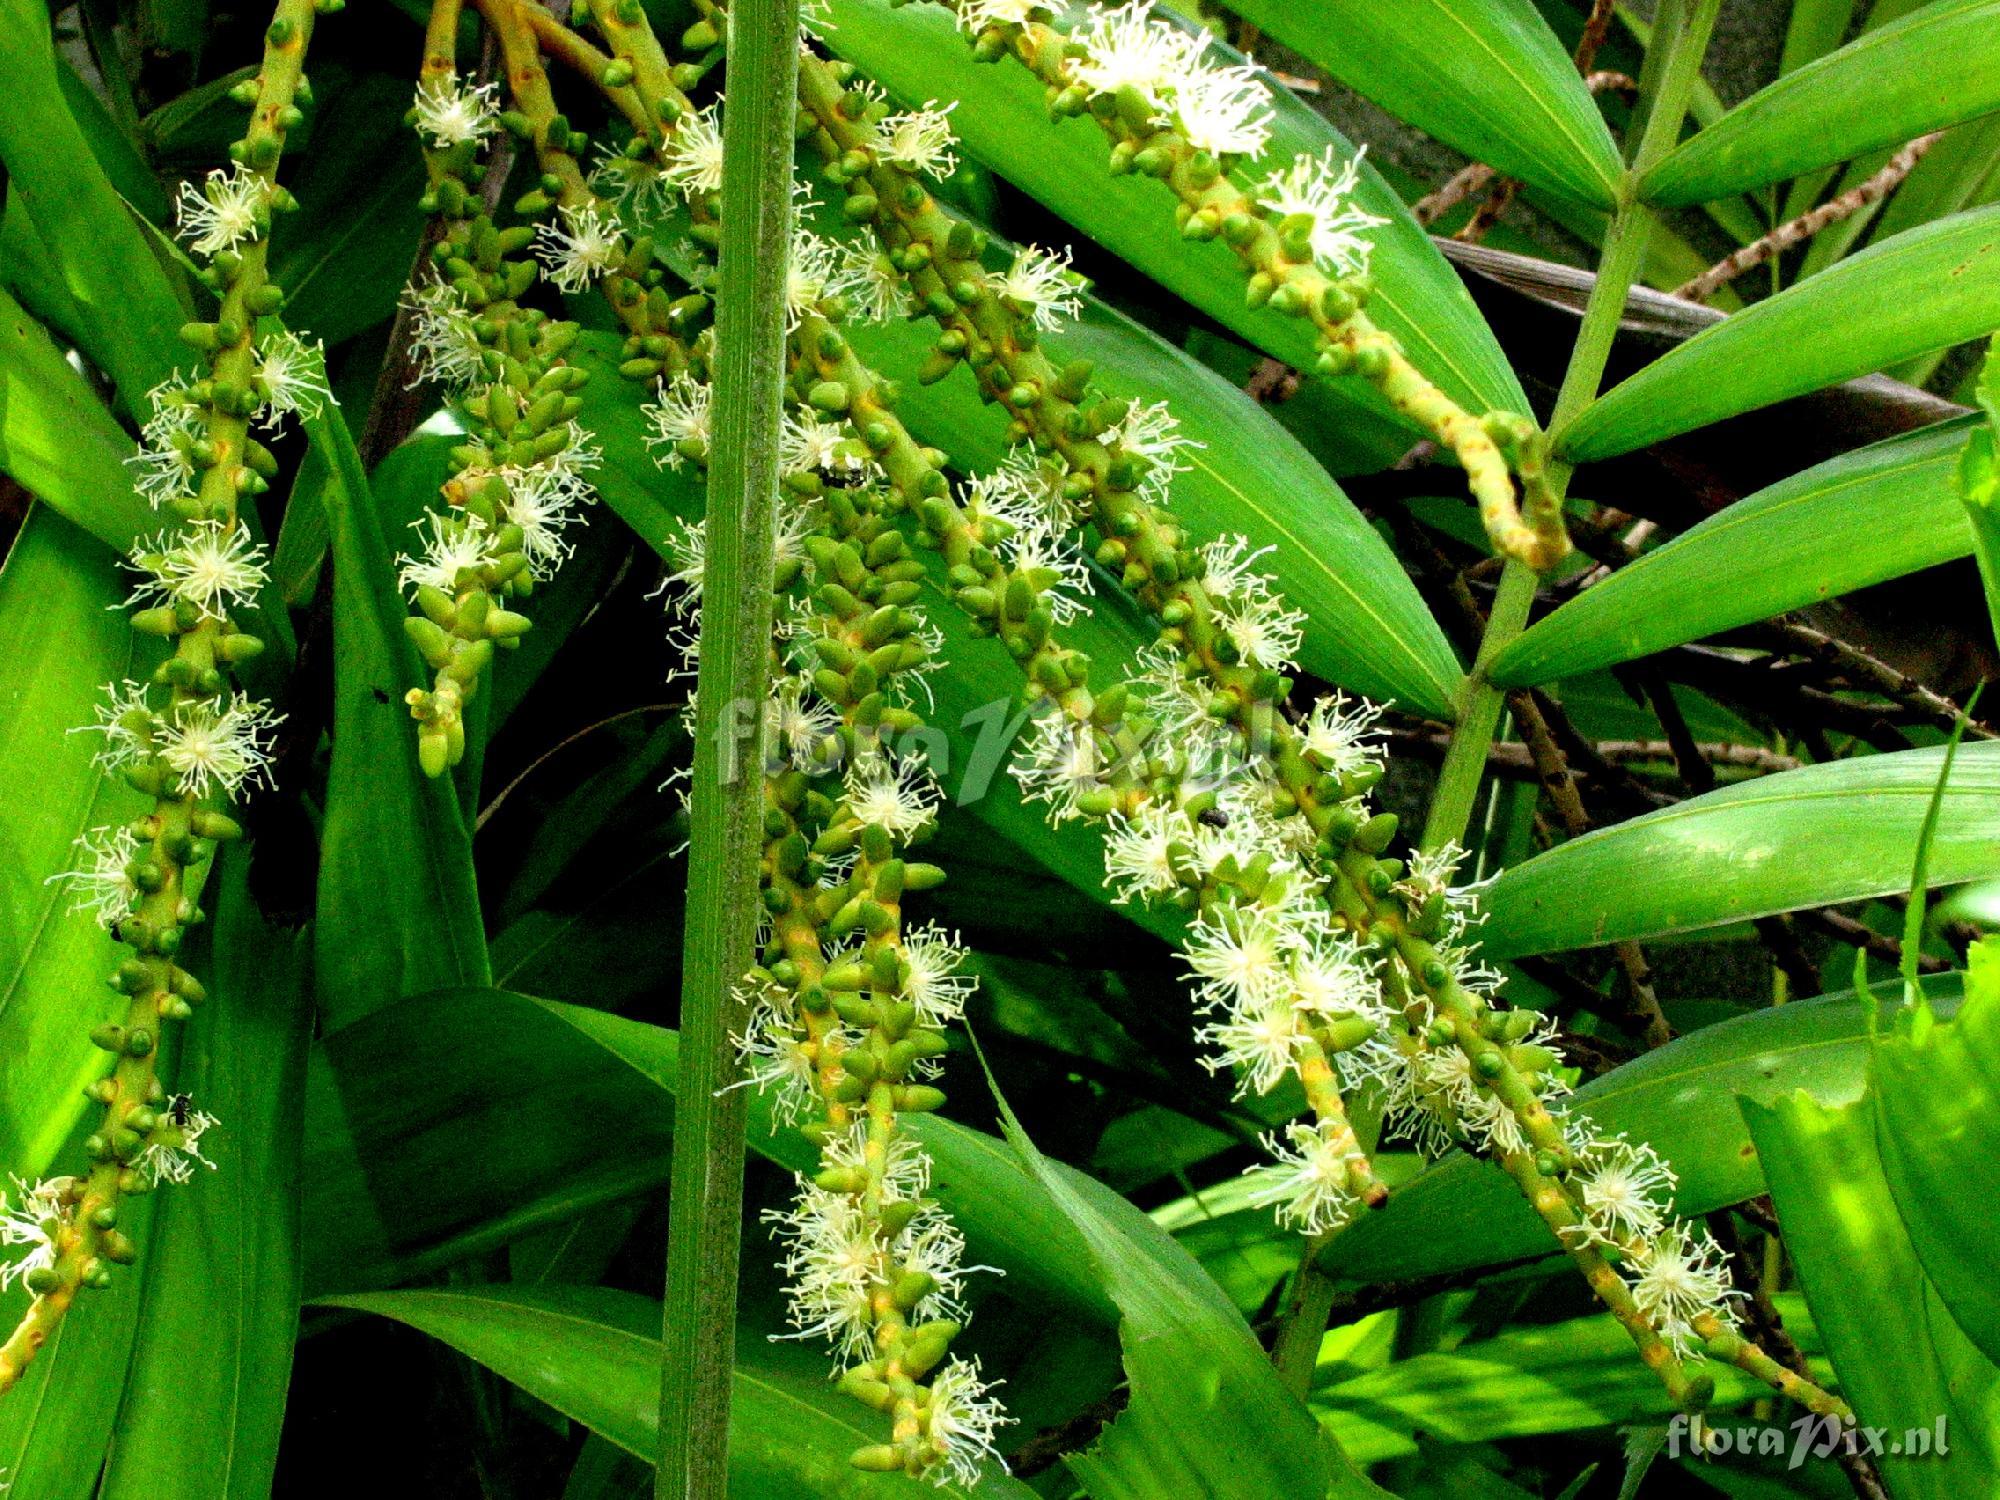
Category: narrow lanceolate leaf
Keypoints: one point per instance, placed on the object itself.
(1522, 1382)
(917, 53)
(1877, 513)
(59, 593)
(1937, 1102)
(57, 441)
(1978, 482)
(594, 1355)
(398, 904)
(221, 1265)
(123, 301)
(1209, 1414)
(1861, 1275)
(1923, 290)
(1486, 76)
(1811, 837)
(1928, 70)
(1464, 1213)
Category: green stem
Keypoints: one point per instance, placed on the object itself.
(1618, 268)
(704, 1223)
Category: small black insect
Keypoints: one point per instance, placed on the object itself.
(1214, 817)
(177, 1108)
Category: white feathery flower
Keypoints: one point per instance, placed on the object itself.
(637, 186)
(1054, 565)
(1223, 111)
(1241, 957)
(681, 420)
(1148, 430)
(293, 375)
(687, 556)
(1060, 763)
(226, 210)
(128, 723)
(542, 502)
(34, 1221)
(209, 745)
(1308, 1181)
(174, 1161)
(1228, 568)
(934, 987)
(833, 1259)
(451, 543)
(931, 1244)
(1043, 286)
(1338, 732)
(165, 461)
(797, 726)
(961, 1422)
(1005, 497)
(1257, 1035)
(1145, 854)
(1332, 977)
(1127, 48)
(976, 16)
(451, 112)
(1043, 481)
(1322, 189)
(817, 271)
(694, 154)
(806, 444)
(1677, 1276)
(906, 1170)
(102, 883)
(919, 139)
(583, 247)
(777, 1059)
(874, 288)
(897, 796)
(1264, 631)
(444, 336)
(1625, 1189)
(211, 565)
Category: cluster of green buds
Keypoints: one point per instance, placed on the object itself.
(521, 474)
(1173, 114)
(1314, 952)
(184, 738)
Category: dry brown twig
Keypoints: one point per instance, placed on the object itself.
(1808, 224)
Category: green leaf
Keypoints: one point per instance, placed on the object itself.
(398, 902)
(1367, 627)
(221, 1264)
(1922, 290)
(1978, 483)
(594, 1355)
(1839, 831)
(57, 440)
(1485, 76)
(1208, 1414)
(1861, 1277)
(56, 1424)
(59, 596)
(918, 54)
(1931, 69)
(1876, 513)
(1937, 1123)
(105, 262)
(1523, 1382)
(1464, 1212)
